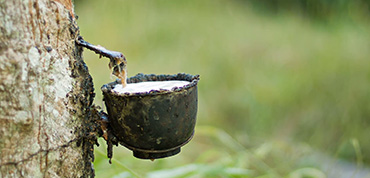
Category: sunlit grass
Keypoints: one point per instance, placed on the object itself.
(277, 88)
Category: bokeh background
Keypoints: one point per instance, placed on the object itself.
(284, 89)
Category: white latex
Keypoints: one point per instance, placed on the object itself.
(150, 85)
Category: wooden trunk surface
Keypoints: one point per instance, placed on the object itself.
(46, 92)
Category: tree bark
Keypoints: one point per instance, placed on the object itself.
(47, 119)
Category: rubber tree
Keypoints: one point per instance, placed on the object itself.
(47, 116)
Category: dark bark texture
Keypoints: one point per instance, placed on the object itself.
(47, 126)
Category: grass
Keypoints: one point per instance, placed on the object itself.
(273, 91)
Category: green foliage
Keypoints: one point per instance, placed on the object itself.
(317, 9)
(274, 89)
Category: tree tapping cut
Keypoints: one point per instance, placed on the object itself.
(117, 60)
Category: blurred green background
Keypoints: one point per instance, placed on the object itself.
(284, 90)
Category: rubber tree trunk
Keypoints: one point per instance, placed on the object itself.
(46, 92)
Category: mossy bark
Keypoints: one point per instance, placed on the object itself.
(46, 92)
